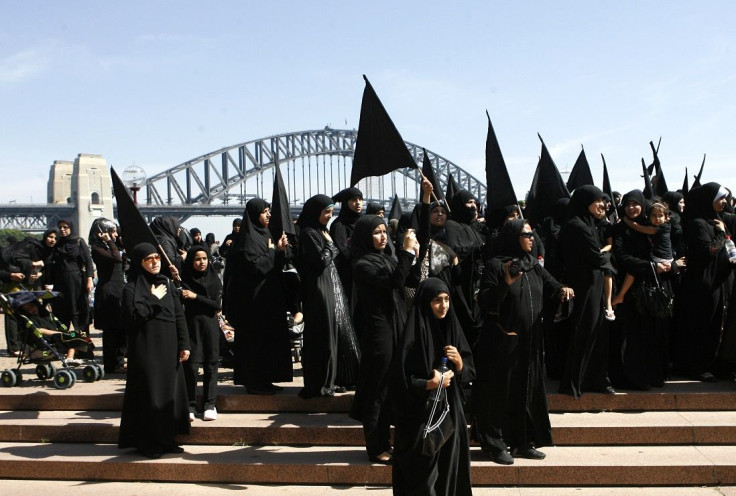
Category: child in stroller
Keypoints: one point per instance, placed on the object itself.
(45, 339)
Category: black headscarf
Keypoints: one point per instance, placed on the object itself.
(210, 239)
(254, 236)
(672, 199)
(508, 246)
(581, 199)
(312, 210)
(206, 283)
(636, 196)
(347, 215)
(144, 280)
(699, 201)
(374, 208)
(70, 245)
(167, 226)
(460, 212)
(361, 244)
(347, 194)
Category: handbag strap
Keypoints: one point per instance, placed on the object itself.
(654, 271)
(440, 395)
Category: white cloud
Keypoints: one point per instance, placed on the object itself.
(23, 66)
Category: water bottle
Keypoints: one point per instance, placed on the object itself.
(731, 249)
(443, 364)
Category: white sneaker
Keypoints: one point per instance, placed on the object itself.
(191, 417)
(210, 414)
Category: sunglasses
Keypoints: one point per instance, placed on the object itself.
(151, 258)
(527, 235)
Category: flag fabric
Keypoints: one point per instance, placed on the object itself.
(395, 212)
(280, 222)
(648, 191)
(659, 185)
(607, 189)
(547, 187)
(133, 227)
(499, 190)
(696, 182)
(428, 172)
(580, 174)
(453, 188)
(685, 187)
(379, 148)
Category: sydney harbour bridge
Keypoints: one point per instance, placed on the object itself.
(220, 182)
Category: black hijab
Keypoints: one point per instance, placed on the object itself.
(460, 212)
(254, 236)
(206, 283)
(672, 199)
(70, 245)
(311, 211)
(209, 239)
(581, 199)
(347, 215)
(508, 246)
(167, 226)
(637, 197)
(361, 244)
(374, 208)
(143, 281)
(699, 202)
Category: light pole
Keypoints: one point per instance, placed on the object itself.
(134, 178)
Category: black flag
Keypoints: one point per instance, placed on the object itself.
(659, 185)
(648, 191)
(379, 148)
(547, 187)
(696, 183)
(428, 172)
(133, 227)
(395, 212)
(452, 188)
(580, 174)
(685, 187)
(499, 190)
(607, 189)
(280, 222)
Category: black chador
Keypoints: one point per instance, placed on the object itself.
(155, 406)
(378, 276)
(258, 305)
(421, 348)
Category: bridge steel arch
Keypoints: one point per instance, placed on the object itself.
(236, 173)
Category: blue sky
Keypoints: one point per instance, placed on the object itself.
(156, 83)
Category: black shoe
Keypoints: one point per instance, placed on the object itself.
(707, 377)
(339, 389)
(176, 449)
(152, 454)
(607, 390)
(530, 453)
(501, 457)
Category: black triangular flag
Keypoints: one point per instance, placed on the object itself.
(396, 211)
(133, 227)
(379, 148)
(659, 185)
(547, 187)
(685, 187)
(453, 188)
(580, 174)
(428, 172)
(499, 190)
(696, 183)
(648, 191)
(280, 222)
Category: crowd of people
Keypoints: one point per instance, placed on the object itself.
(446, 310)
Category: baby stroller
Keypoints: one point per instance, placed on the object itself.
(45, 340)
(296, 334)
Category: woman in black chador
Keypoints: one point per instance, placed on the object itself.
(326, 313)
(155, 405)
(378, 275)
(258, 304)
(586, 367)
(202, 296)
(103, 241)
(341, 230)
(72, 277)
(706, 279)
(509, 400)
(167, 230)
(432, 332)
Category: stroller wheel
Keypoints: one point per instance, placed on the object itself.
(74, 377)
(8, 378)
(100, 371)
(91, 373)
(63, 379)
(44, 371)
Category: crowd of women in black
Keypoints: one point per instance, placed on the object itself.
(502, 300)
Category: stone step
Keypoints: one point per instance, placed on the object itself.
(564, 466)
(299, 429)
(107, 395)
(88, 488)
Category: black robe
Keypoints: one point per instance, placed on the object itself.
(586, 366)
(378, 278)
(509, 398)
(258, 305)
(108, 294)
(341, 231)
(420, 351)
(72, 266)
(639, 343)
(155, 405)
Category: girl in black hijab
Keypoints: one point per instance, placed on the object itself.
(167, 230)
(155, 405)
(509, 399)
(432, 331)
(73, 278)
(103, 241)
(324, 303)
(202, 295)
(376, 208)
(341, 230)
(706, 279)
(586, 368)
(378, 275)
(258, 305)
